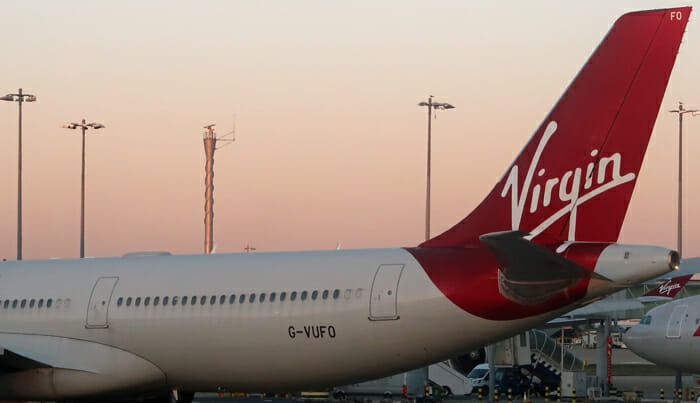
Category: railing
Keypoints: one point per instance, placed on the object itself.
(547, 348)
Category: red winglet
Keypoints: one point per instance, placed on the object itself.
(575, 177)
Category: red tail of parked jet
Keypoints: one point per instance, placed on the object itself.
(575, 177)
(572, 182)
(670, 287)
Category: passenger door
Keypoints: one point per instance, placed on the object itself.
(675, 322)
(383, 299)
(98, 306)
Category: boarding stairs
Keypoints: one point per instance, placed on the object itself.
(546, 357)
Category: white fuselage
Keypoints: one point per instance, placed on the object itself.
(346, 323)
(259, 321)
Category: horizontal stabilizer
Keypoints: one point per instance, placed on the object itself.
(530, 273)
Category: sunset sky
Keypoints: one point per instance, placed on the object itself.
(330, 143)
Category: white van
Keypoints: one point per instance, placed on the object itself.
(506, 378)
(479, 376)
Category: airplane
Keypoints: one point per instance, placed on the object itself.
(542, 242)
(669, 335)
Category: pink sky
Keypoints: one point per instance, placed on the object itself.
(330, 142)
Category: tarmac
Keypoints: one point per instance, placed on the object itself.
(631, 388)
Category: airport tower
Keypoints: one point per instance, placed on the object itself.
(209, 148)
(210, 145)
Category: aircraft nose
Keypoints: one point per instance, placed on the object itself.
(628, 336)
(635, 337)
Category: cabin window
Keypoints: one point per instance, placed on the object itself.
(24, 303)
(175, 300)
(120, 301)
(273, 296)
(31, 303)
(293, 296)
(147, 301)
(358, 293)
(49, 302)
(251, 299)
(165, 300)
(283, 296)
(348, 293)
(128, 301)
(241, 299)
(336, 293)
(138, 301)
(314, 295)
(212, 300)
(184, 300)
(6, 304)
(202, 300)
(232, 299)
(222, 299)
(325, 294)
(156, 300)
(262, 297)
(304, 294)
(41, 303)
(193, 300)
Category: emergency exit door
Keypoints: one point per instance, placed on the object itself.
(383, 299)
(98, 306)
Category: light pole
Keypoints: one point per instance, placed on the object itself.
(20, 98)
(431, 106)
(681, 111)
(83, 126)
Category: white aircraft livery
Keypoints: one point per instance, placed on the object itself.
(669, 335)
(541, 243)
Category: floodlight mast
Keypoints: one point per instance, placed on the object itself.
(20, 98)
(681, 111)
(84, 127)
(431, 107)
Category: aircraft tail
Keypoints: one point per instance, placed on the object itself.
(670, 287)
(574, 179)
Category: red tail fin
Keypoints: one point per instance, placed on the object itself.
(575, 177)
(670, 287)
